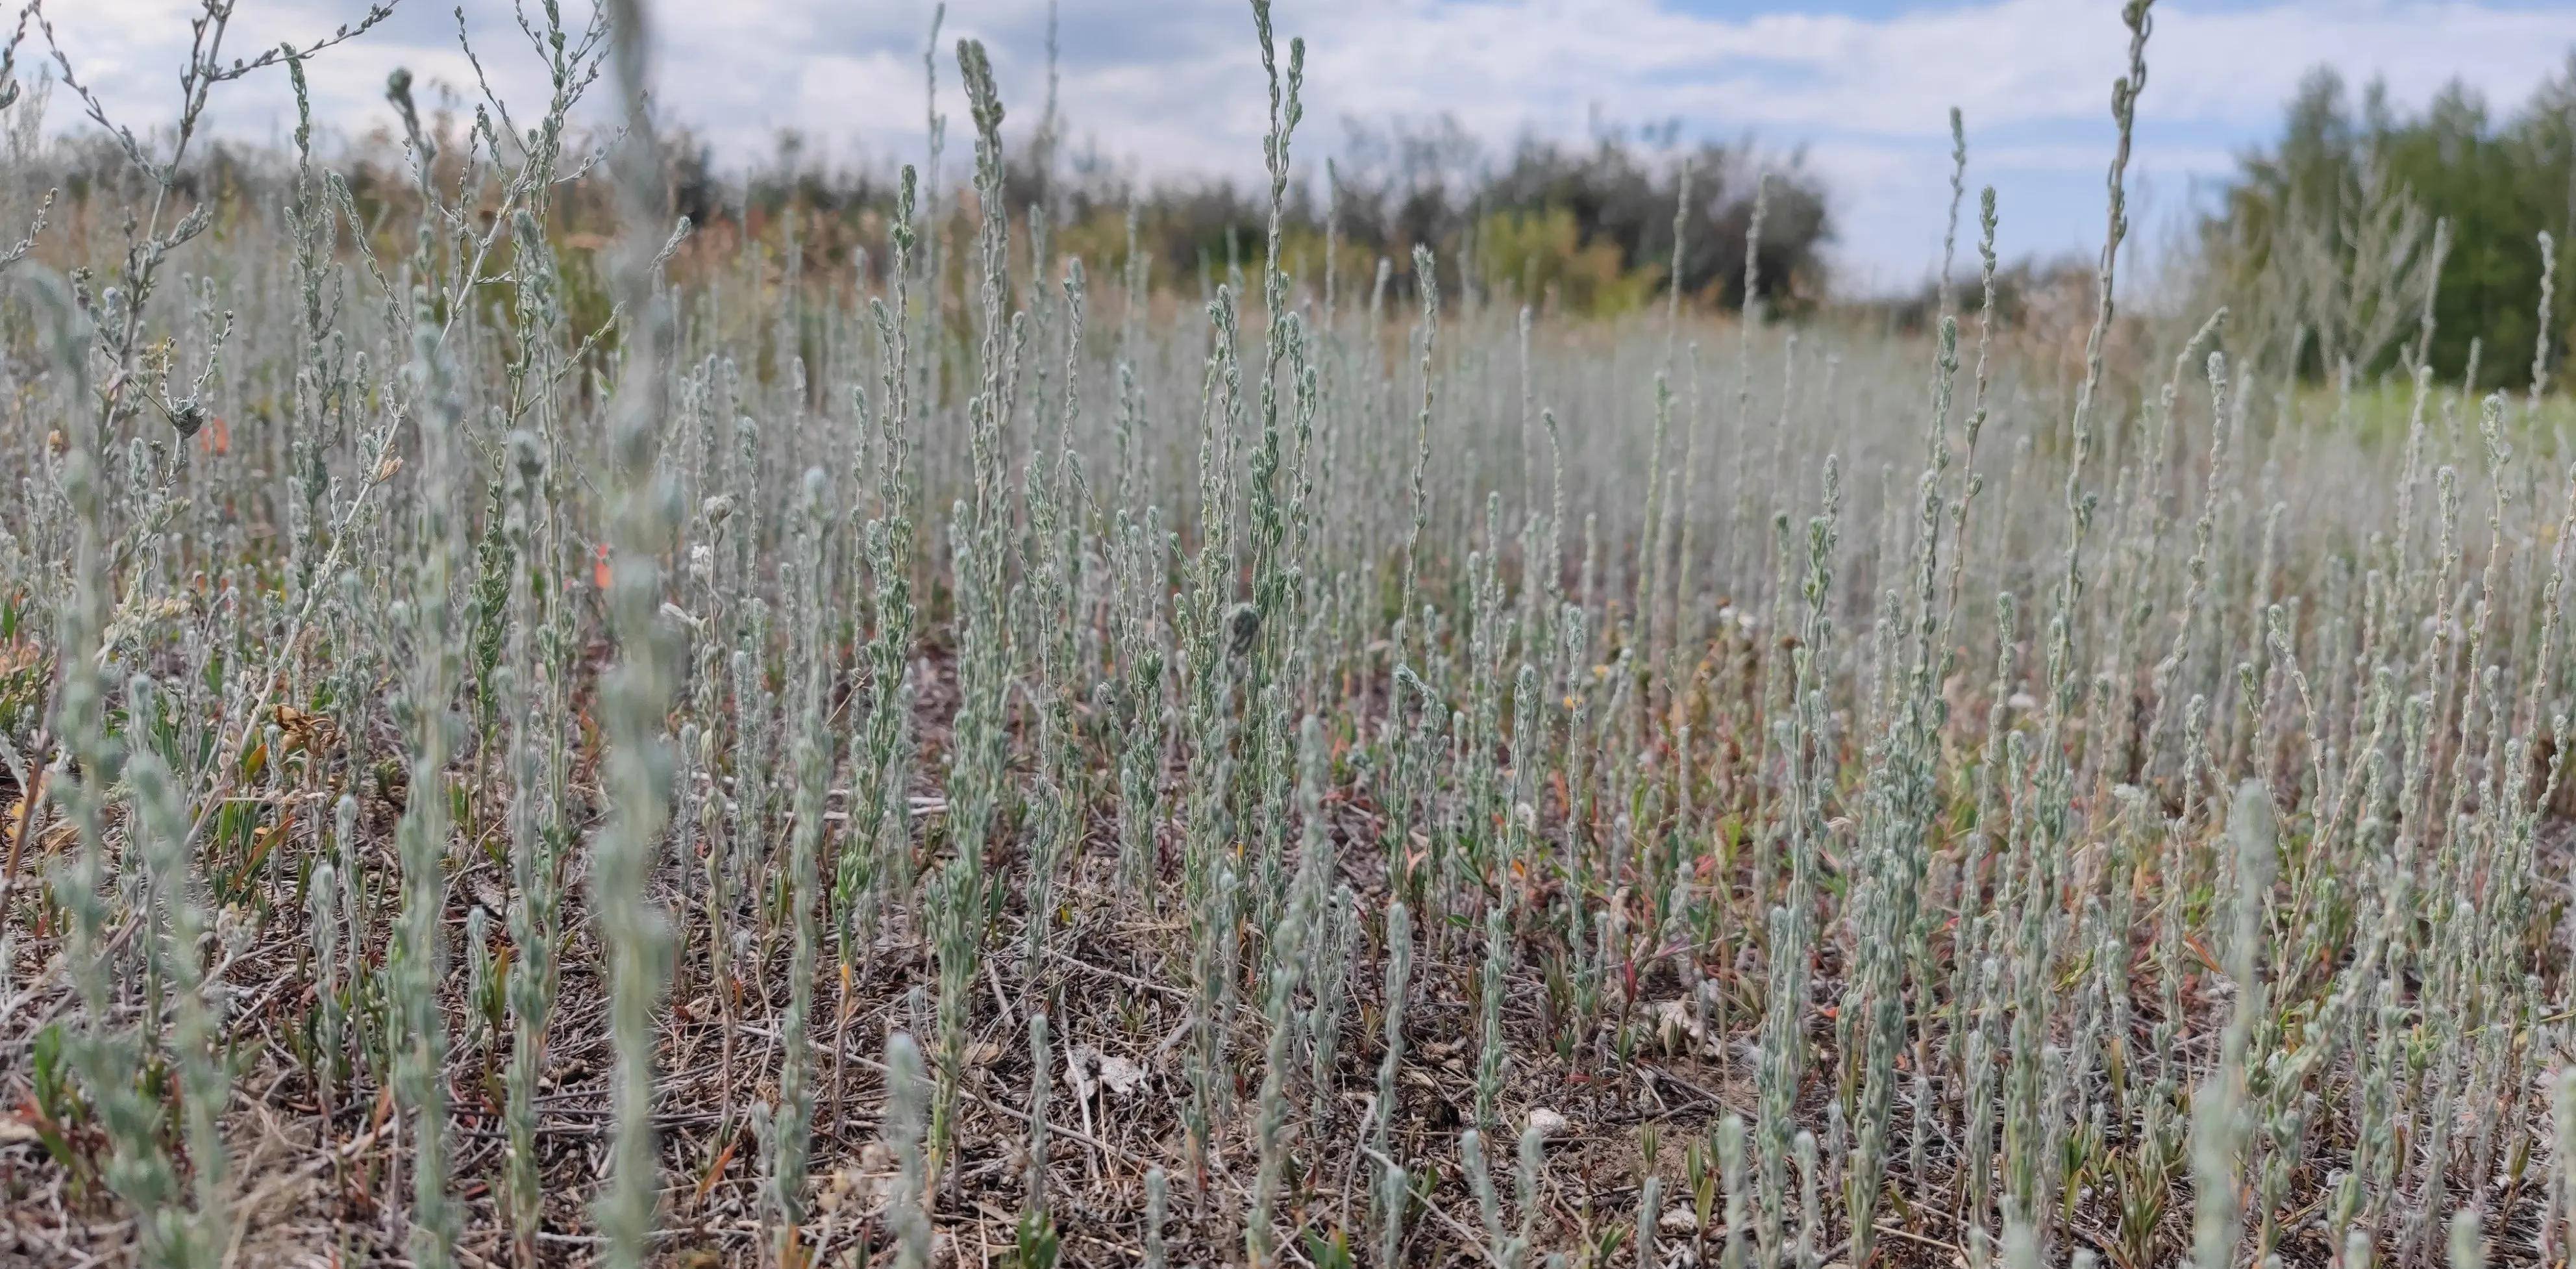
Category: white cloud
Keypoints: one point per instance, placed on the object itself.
(1168, 87)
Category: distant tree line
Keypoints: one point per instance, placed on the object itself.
(1587, 228)
(1584, 228)
(2331, 238)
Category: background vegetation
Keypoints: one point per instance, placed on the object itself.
(2344, 224)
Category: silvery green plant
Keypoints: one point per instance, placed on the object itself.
(1490, 988)
(13, 94)
(813, 759)
(1504, 1249)
(637, 691)
(191, 1229)
(2222, 1125)
(1157, 1190)
(420, 962)
(1328, 985)
(535, 920)
(1398, 942)
(1290, 967)
(907, 1122)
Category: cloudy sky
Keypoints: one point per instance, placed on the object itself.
(1172, 87)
